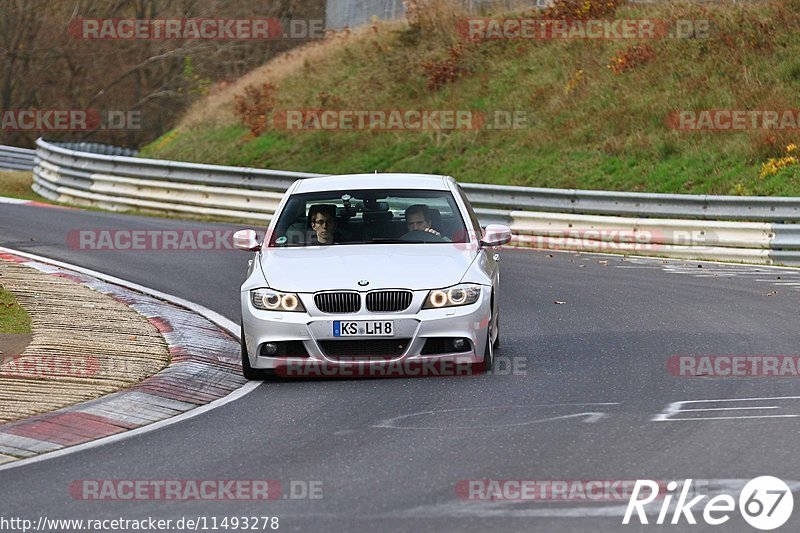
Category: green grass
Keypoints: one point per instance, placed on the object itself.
(13, 318)
(17, 184)
(609, 132)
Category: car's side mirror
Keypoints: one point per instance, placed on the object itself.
(496, 235)
(246, 239)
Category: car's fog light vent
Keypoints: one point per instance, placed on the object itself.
(338, 302)
(365, 349)
(284, 349)
(439, 345)
(388, 301)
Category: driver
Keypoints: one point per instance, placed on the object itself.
(418, 218)
(322, 219)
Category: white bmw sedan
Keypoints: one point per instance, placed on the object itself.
(371, 271)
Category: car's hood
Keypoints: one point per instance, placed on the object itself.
(412, 266)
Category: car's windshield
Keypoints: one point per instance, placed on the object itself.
(373, 216)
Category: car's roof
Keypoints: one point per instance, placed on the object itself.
(373, 181)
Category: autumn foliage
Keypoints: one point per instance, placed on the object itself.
(255, 106)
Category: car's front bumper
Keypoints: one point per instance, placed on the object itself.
(414, 328)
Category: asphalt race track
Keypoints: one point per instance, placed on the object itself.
(591, 378)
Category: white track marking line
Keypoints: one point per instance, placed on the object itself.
(727, 409)
(676, 408)
(590, 417)
(706, 418)
(759, 399)
(213, 316)
(8, 200)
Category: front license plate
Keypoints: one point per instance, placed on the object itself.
(363, 328)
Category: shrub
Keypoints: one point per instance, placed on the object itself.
(254, 106)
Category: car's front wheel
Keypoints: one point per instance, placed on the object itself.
(488, 353)
(496, 343)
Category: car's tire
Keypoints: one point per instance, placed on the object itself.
(488, 353)
(496, 343)
(249, 372)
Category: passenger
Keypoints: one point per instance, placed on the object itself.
(418, 218)
(322, 219)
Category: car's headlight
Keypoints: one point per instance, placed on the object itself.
(271, 300)
(463, 294)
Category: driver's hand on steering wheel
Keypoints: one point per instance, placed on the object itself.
(433, 231)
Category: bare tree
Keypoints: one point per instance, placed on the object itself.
(45, 66)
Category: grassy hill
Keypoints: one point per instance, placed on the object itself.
(597, 109)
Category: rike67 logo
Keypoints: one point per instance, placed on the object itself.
(765, 503)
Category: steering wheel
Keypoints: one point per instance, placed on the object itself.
(420, 235)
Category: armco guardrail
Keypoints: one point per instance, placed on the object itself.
(119, 182)
(752, 229)
(13, 158)
(690, 206)
(97, 148)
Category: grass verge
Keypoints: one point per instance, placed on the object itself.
(13, 318)
(17, 184)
